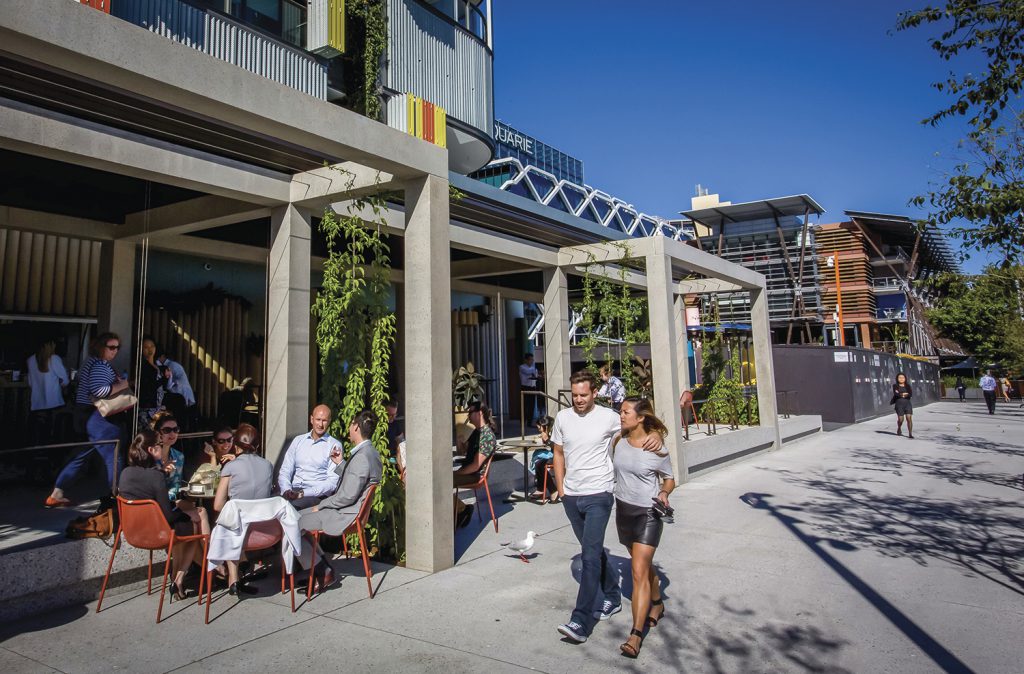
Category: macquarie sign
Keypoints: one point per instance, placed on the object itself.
(506, 135)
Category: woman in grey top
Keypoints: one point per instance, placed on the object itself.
(641, 477)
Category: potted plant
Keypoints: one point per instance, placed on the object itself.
(467, 387)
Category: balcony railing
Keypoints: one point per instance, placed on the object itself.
(227, 40)
(887, 282)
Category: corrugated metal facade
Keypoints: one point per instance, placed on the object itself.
(437, 61)
(227, 40)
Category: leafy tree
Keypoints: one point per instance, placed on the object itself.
(983, 314)
(986, 190)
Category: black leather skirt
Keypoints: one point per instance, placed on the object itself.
(637, 524)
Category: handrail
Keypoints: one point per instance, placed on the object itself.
(87, 443)
(560, 401)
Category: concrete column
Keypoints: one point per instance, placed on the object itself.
(557, 365)
(118, 297)
(765, 371)
(286, 385)
(664, 352)
(429, 526)
(682, 343)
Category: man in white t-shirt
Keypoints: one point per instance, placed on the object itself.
(528, 376)
(585, 478)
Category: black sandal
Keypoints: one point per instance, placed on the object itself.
(651, 622)
(628, 649)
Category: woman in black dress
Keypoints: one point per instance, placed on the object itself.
(142, 480)
(901, 394)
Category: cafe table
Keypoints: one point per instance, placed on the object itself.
(525, 444)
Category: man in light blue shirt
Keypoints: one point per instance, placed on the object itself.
(307, 473)
(177, 382)
(988, 389)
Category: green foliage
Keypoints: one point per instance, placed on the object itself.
(986, 190)
(610, 309)
(355, 335)
(467, 386)
(983, 314)
(726, 398)
(368, 41)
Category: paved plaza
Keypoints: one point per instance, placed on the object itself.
(851, 551)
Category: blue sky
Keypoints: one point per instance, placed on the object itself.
(751, 99)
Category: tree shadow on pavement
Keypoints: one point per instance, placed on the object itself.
(980, 535)
(953, 470)
(732, 638)
(978, 444)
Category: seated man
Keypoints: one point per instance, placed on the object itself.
(335, 513)
(307, 474)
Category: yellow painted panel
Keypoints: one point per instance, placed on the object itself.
(336, 25)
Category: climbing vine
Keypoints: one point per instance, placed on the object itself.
(369, 22)
(610, 313)
(355, 334)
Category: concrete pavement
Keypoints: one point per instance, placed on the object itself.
(852, 551)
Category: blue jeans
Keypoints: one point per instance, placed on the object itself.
(97, 428)
(589, 517)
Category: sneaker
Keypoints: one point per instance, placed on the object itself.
(608, 609)
(572, 631)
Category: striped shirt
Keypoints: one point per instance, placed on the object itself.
(94, 380)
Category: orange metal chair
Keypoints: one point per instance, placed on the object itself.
(144, 527)
(482, 482)
(258, 536)
(357, 527)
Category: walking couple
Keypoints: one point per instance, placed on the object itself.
(601, 457)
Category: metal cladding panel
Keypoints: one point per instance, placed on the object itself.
(325, 27)
(437, 61)
(228, 41)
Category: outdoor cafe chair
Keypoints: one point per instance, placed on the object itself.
(357, 527)
(482, 482)
(258, 536)
(145, 527)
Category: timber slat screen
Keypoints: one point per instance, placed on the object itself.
(48, 274)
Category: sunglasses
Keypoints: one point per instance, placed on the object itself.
(167, 430)
(222, 441)
(113, 347)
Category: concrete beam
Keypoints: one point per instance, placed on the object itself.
(77, 39)
(707, 285)
(35, 131)
(320, 187)
(428, 377)
(54, 223)
(211, 249)
(488, 266)
(488, 290)
(192, 215)
(502, 246)
(631, 278)
(287, 354)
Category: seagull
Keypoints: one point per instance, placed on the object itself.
(523, 546)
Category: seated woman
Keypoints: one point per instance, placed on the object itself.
(542, 457)
(141, 480)
(223, 448)
(169, 458)
(481, 444)
(248, 476)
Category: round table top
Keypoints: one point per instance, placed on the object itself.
(522, 444)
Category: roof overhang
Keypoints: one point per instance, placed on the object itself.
(714, 216)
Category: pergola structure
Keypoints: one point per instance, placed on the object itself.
(670, 270)
(239, 147)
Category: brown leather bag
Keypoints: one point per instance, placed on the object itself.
(100, 525)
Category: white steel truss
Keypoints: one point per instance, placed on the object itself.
(582, 201)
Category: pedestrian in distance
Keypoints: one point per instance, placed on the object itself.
(585, 479)
(988, 389)
(961, 388)
(901, 394)
(641, 477)
(1005, 384)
